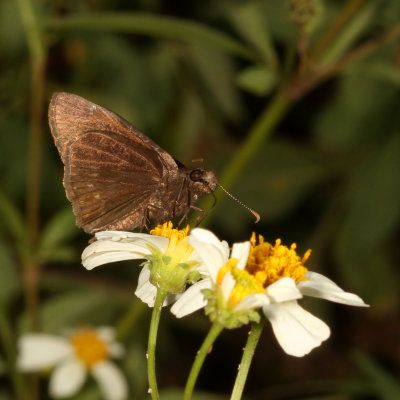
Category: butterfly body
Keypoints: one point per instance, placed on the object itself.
(115, 176)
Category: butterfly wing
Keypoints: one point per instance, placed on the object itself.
(111, 169)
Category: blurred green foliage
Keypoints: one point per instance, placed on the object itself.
(200, 78)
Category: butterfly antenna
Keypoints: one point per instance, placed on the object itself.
(256, 214)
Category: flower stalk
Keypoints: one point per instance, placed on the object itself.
(151, 349)
(247, 357)
(205, 348)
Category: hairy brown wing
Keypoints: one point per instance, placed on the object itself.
(109, 179)
(70, 116)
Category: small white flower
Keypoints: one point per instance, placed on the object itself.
(266, 276)
(219, 290)
(170, 261)
(85, 350)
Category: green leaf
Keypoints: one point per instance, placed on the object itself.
(90, 391)
(377, 70)
(257, 80)
(11, 218)
(3, 367)
(385, 385)
(135, 366)
(57, 232)
(72, 309)
(273, 184)
(218, 79)
(8, 275)
(250, 20)
(362, 110)
(373, 210)
(176, 394)
(4, 395)
(372, 215)
(350, 33)
(152, 25)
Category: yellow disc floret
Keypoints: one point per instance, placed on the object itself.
(228, 267)
(246, 284)
(89, 347)
(178, 246)
(268, 263)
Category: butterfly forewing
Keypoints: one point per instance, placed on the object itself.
(104, 175)
(114, 175)
(111, 169)
(70, 116)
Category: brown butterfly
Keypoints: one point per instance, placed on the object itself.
(115, 176)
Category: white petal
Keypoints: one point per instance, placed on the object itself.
(227, 285)
(206, 236)
(120, 235)
(107, 251)
(255, 300)
(192, 299)
(67, 379)
(320, 286)
(106, 333)
(40, 351)
(145, 290)
(296, 330)
(111, 381)
(241, 252)
(209, 249)
(284, 289)
(116, 350)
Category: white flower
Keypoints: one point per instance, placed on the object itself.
(170, 261)
(85, 350)
(270, 277)
(220, 287)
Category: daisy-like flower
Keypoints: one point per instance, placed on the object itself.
(72, 357)
(229, 294)
(171, 261)
(272, 277)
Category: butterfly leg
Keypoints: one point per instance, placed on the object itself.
(200, 215)
(154, 213)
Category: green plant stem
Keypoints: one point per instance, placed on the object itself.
(31, 265)
(334, 29)
(299, 88)
(164, 27)
(130, 319)
(151, 349)
(9, 350)
(205, 348)
(262, 128)
(247, 357)
(260, 131)
(37, 54)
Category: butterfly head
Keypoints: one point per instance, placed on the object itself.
(202, 181)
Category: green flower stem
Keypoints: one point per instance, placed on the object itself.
(262, 128)
(130, 319)
(151, 349)
(7, 340)
(260, 131)
(332, 32)
(215, 330)
(37, 52)
(248, 354)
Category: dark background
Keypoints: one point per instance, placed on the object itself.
(202, 78)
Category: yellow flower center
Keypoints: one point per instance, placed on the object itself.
(245, 285)
(268, 263)
(89, 347)
(178, 246)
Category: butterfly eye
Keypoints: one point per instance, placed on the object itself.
(196, 175)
